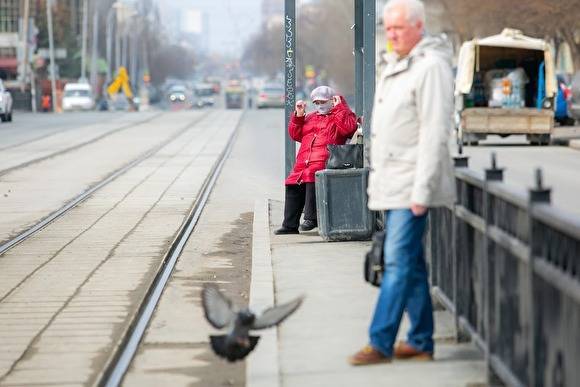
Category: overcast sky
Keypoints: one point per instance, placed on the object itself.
(231, 22)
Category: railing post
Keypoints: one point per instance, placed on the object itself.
(493, 174)
(459, 161)
(537, 195)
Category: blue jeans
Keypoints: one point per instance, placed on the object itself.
(405, 285)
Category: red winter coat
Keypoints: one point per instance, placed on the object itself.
(314, 132)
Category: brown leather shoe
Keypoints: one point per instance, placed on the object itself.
(367, 356)
(405, 351)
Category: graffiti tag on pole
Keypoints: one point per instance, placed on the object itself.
(289, 62)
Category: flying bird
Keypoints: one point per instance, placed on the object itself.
(221, 313)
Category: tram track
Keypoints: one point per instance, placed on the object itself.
(22, 236)
(67, 149)
(43, 136)
(121, 359)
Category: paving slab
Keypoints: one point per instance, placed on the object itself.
(311, 348)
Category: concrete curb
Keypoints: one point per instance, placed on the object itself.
(262, 367)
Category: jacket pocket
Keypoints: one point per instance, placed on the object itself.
(401, 154)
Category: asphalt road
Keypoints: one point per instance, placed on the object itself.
(560, 166)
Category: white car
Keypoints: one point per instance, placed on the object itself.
(78, 96)
(5, 103)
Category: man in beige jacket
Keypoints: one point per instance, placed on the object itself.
(411, 170)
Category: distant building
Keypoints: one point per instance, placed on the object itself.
(272, 13)
(272, 8)
(195, 29)
(11, 13)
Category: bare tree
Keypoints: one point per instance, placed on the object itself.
(325, 41)
(540, 18)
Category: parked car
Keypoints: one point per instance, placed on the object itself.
(119, 103)
(5, 103)
(271, 96)
(574, 99)
(78, 96)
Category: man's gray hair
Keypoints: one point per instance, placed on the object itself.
(415, 9)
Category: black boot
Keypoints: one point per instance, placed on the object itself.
(308, 225)
(285, 231)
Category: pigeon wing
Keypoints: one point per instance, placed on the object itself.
(276, 314)
(218, 308)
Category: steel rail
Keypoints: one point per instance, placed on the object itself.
(116, 370)
(5, 246)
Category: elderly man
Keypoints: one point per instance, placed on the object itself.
(411, 171)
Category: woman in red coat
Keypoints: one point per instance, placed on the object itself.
(332, 123)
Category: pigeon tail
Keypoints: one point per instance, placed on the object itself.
(232, 352)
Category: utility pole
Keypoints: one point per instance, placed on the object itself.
(134, 53)
(51, 53)
(84, 40)
(117, 38)
(110, 19)
(125, 52)
(25, 23)
(94, 51)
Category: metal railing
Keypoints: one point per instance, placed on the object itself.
(507, 265)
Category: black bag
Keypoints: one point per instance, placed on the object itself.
(345, 156)
(374, 260)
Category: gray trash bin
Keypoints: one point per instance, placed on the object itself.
(341, 203)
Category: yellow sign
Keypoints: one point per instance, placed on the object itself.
(122, 81)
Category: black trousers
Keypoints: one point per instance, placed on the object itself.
(299, 197)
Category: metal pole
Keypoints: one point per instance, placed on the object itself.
(109, 48)
(537, 196)
(358, 56)
(84, 40)
(289, 78)
(51, 53)
(125, 50)
(369, 31)
(493, 174)
(94, 51)
(117, 40)
(25, 23)
(134, 50)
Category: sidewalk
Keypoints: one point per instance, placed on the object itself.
(313, 345)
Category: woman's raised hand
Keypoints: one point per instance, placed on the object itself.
(300, 108)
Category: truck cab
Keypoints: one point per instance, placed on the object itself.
(505, 85)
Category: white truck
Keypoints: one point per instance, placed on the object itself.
(505, 84)
(5, 103)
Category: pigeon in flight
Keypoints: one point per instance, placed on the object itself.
(222, 313)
